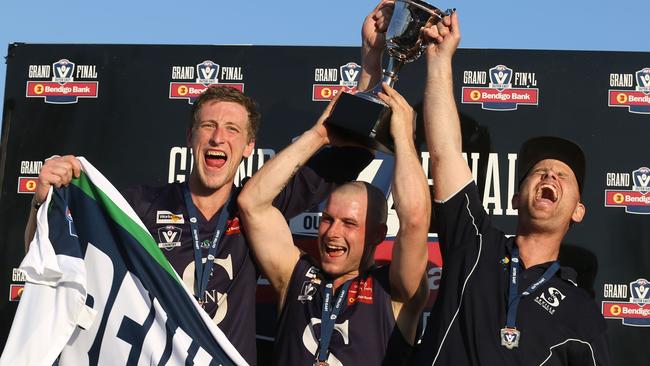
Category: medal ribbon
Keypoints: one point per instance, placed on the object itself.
(513, 296)
(328, 319)
(202, 272)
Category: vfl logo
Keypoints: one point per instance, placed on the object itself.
(643, 80)
(550, 300)
(310, 340)
(640, 291)
(63, 70)
(169, 237)
(308, 291)
(349, 74)
(207, 71)
(641, 178)
(500, 77)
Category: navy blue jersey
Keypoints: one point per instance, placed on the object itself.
(559, 323)
(365, 332)
(230, 295)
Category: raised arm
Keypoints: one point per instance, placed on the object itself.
(57, 171)
(413, 205)
(441, 123)
(265, 227)
(373, 42)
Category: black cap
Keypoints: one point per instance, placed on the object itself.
(549, 147)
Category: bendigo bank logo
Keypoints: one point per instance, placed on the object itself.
(62, 89)
(635, 200)
(636, 100)
(505, 91)
(208, 73)
(633, 312)
(349, 79)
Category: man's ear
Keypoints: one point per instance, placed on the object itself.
(248, 150)
(380, 234)
(579, 212)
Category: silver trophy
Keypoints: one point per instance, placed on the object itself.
(364, 116)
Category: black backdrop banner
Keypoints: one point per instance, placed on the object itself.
(126, 108)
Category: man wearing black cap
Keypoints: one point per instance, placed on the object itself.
(503, 300)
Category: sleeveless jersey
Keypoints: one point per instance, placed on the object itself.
(365, 332)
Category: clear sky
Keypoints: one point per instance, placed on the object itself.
(512, 24)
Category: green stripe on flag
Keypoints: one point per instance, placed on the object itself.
(142, 236)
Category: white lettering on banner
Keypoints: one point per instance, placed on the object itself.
(182, 72)
(614, 291)
(39, 71)
(494, 199)
(231, 73)
(122, 314)
(492, 193)
(310, 340)
(321, 74)
(86, 72)
(30, 167)
(474, 77)
(621, 80)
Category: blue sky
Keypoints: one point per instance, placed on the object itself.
(510, 24)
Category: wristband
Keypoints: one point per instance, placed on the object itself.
(35, 204)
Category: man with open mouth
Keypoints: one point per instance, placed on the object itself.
(503, 300)
(341, 308)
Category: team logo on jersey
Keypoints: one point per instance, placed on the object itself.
(633, 312)
(166, 217)
(169, 237)
(506, 89)
(312, 272)
(636, 100)
(27, 184)
(205, 74)
(550, 299)
(345, 78)
(360, 291)
(62, 88)
(635, 199)
(309, 289)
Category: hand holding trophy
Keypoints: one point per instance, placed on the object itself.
(364, 116)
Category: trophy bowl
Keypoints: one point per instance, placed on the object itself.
(363, 116)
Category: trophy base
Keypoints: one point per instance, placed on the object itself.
(363, 118)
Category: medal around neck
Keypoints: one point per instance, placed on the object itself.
(364, 117)
(510, 337)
